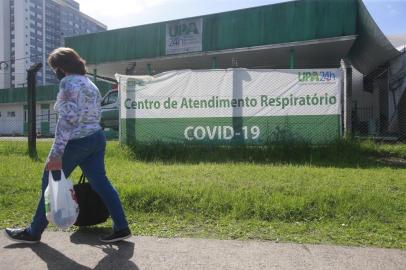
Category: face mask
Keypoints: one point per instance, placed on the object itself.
(59, 74)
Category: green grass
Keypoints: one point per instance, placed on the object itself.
(349, 194)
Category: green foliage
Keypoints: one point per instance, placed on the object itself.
(344, 153)
(348, 193)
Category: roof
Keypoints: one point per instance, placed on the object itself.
(293, 22)
(399, 41)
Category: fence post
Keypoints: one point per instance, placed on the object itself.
(31, 104)
(95, 75)
(347, 117)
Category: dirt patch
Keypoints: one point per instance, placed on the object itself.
(393, 161)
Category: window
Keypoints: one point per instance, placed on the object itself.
(110, 98)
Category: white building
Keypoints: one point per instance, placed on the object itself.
(30, 29)
(14, 119)
(14, 114)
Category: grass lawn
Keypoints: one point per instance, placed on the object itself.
(348, 194)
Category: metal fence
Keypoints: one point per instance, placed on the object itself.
(372, 107)
(14, 125)
(233, 106)
(378, 107)
(378, 111)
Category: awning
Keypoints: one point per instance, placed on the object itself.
(311, 33)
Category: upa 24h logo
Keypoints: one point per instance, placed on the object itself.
(316, 76)
(183, 29)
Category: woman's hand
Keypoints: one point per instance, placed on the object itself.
(54, 164)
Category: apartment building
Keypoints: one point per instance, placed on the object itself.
(30, 29)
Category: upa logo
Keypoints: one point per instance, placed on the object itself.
(184, 36)
(316, 76)
(183, 29)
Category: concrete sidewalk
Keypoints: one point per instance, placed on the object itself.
(80, 251)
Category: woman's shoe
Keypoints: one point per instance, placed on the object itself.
(117, 236)
(21, 236)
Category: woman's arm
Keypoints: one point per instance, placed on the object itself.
(68, 116)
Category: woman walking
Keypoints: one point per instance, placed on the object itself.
(79, 141)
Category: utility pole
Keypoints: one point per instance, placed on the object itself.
(31, 104)
(347, 100)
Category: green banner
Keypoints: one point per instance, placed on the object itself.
(231, 106)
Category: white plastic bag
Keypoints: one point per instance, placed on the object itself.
(61, 206)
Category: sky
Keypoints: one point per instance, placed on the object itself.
(390, 15)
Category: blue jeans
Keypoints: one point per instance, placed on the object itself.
(88, 154)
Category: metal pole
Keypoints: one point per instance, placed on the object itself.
(347, 110)
(95, 75)
(31, 104)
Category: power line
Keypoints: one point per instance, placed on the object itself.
(22, 58)
(9, 72)
(20, 70)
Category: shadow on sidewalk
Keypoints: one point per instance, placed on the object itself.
(118, 254)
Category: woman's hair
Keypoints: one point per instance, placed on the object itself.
(68, 60)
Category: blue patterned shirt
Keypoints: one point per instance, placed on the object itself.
(79, 112)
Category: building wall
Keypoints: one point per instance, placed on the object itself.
(397, 113)
(53, 37)
(19, 42)
(5, 44)
(365, 106)
(13, 119)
